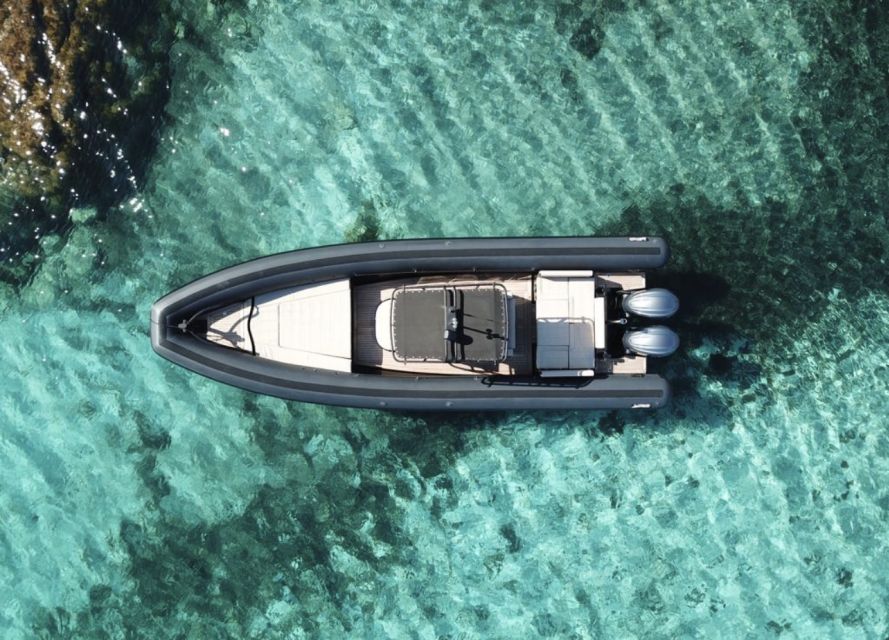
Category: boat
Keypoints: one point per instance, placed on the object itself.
(464, 324)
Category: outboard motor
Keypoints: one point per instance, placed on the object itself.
(651, 303)
(657, 341)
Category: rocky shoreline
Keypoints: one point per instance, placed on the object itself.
(83, 87)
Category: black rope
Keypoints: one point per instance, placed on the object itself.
(249, 329)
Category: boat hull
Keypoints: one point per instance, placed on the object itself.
(400, 391)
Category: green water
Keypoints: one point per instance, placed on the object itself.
(140, 500)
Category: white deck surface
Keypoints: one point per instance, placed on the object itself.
(228, 326)
(625, 281)
(312, 326)
(309, 326)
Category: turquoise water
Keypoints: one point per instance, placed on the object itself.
(140, 500)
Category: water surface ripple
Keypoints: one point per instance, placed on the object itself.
(144, 501)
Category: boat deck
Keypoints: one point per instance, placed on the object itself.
(366, 352)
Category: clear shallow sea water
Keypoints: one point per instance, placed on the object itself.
(140, 500)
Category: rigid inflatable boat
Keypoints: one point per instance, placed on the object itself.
(462, 324)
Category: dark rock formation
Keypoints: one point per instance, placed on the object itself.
(585, 22)
(588, 37)
(366, 227)
(83, 84)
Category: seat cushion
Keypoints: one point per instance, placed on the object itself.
(383, 324)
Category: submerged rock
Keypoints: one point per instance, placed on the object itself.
(82, 88)
(366, 227)
(587, 39)
(84, 214)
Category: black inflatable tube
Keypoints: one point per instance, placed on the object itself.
(458, 393)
